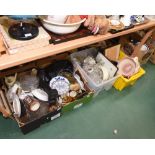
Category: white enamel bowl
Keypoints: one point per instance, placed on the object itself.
(61, 28)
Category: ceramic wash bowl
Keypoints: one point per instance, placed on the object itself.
(60, 28)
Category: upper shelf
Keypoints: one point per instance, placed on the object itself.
(7, 61)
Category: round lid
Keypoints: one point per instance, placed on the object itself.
(23, 31)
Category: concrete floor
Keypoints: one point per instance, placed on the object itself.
(130, 112)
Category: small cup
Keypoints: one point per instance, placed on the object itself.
(33, 104)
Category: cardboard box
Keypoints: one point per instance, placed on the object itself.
(28, 127)
(77, 103)
(34, 122)
(81, 101)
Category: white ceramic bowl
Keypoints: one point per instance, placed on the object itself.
(61, 28)
(57, 18)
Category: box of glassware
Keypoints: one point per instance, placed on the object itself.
(97, 70)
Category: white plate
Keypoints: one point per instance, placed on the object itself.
(16, 105)
(77, 77)
(40, 94)
(105, 73)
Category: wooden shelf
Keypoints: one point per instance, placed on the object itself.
(7, 61)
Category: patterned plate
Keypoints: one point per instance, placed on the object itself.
(61, 84)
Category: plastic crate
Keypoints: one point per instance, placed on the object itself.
(77, 59)
(123, 82)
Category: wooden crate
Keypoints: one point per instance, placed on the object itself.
(4, 105)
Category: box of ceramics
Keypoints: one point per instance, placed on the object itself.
(42, 91)
(75, 92)
(79, 94)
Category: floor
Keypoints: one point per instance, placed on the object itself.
(112, 114)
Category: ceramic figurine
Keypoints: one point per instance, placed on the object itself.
(75, 87)
(137, 19)
(126, 20)
(10, 80)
